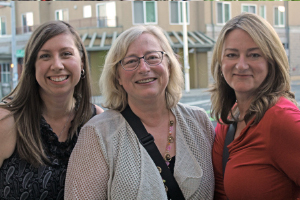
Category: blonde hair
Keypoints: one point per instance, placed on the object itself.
(114, 94)
(276, 84)
(26, 103)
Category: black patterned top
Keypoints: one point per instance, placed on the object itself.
(20, 180)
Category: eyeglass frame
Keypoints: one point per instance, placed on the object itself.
(143, 57)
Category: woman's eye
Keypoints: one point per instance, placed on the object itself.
(230, 55)
(43, 56)
(67, 54)
(255, 55)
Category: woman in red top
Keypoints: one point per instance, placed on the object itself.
(252, 89)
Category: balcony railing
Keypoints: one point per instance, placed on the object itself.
(100, 22)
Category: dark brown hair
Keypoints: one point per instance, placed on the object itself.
(26, 104)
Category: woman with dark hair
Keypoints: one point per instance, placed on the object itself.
(257, 113)
(41, 118)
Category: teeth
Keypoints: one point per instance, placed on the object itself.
(59, 78)
(146, 80)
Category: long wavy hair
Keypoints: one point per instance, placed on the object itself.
(275, 85)
(114, 94)
(25, 103)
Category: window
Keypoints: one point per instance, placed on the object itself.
(62, 15)
(27, 22)
(5, 72)
(87, 11)
(106, 14)
(223, 12)
(144, 12)
(279, 16)
(177, 12)
(249, 8)
(2, 26)
(262, 11)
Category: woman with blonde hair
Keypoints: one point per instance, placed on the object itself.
(142, 83)
(41, 118)
(257, 136)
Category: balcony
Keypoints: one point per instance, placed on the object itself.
(93, 22)
(100, 22)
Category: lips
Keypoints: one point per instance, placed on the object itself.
(146, 80)
(58, 78)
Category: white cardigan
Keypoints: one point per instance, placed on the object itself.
(108, 161)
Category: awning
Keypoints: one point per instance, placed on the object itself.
(196, 40)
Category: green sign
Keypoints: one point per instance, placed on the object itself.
(20, 53)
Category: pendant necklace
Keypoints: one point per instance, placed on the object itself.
(170, 140)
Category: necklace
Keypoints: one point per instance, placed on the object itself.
(170, 140)
(65, 123)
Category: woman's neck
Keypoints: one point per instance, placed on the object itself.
(152, 114)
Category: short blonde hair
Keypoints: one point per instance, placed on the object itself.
(277, 82)
(114, 94)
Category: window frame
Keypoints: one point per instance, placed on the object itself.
(223, 17)
(265, 11)
(98, 14)
(3, 17)
(28, 29)
(7, 74)
(248, 5)
(144, 13)
(283, 23)
(63, 9)
(179, 10)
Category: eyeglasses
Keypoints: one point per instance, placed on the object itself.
(153, 58)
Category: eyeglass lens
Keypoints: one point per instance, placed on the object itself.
(151, 58)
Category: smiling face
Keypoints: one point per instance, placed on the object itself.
(244, 66)
(145, 82)
(58, 66)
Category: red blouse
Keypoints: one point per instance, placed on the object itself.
(264, 161)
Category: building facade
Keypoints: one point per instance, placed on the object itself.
(99, 23)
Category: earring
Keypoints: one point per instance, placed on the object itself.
(82, 74)
(221, 74)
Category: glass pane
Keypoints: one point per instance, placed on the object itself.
(174, 12)
(29, 18)
(87, 11)
(220, 12)
(245, 9)
(227, 12)
(262, 11)
(111, 14)
(138, 12)
(252, 9)
(181, 12)
(150, 12)
(276, 20)
(282, 18)
(187, 11)
(3, 26)
(65, 15)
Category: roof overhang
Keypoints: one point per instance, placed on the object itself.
(196, 40)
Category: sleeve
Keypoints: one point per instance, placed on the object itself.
(284, 143)
(217, 161)
(88, 172)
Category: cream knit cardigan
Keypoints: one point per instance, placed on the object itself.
(108, 161)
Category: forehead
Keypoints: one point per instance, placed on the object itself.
(238, 38)
(59, 41)
(144, 41)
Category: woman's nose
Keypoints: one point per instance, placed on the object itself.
(242, 63)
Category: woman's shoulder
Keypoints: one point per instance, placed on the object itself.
(190, 110)
(8, 135)
(107, 119)
(283, 108)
